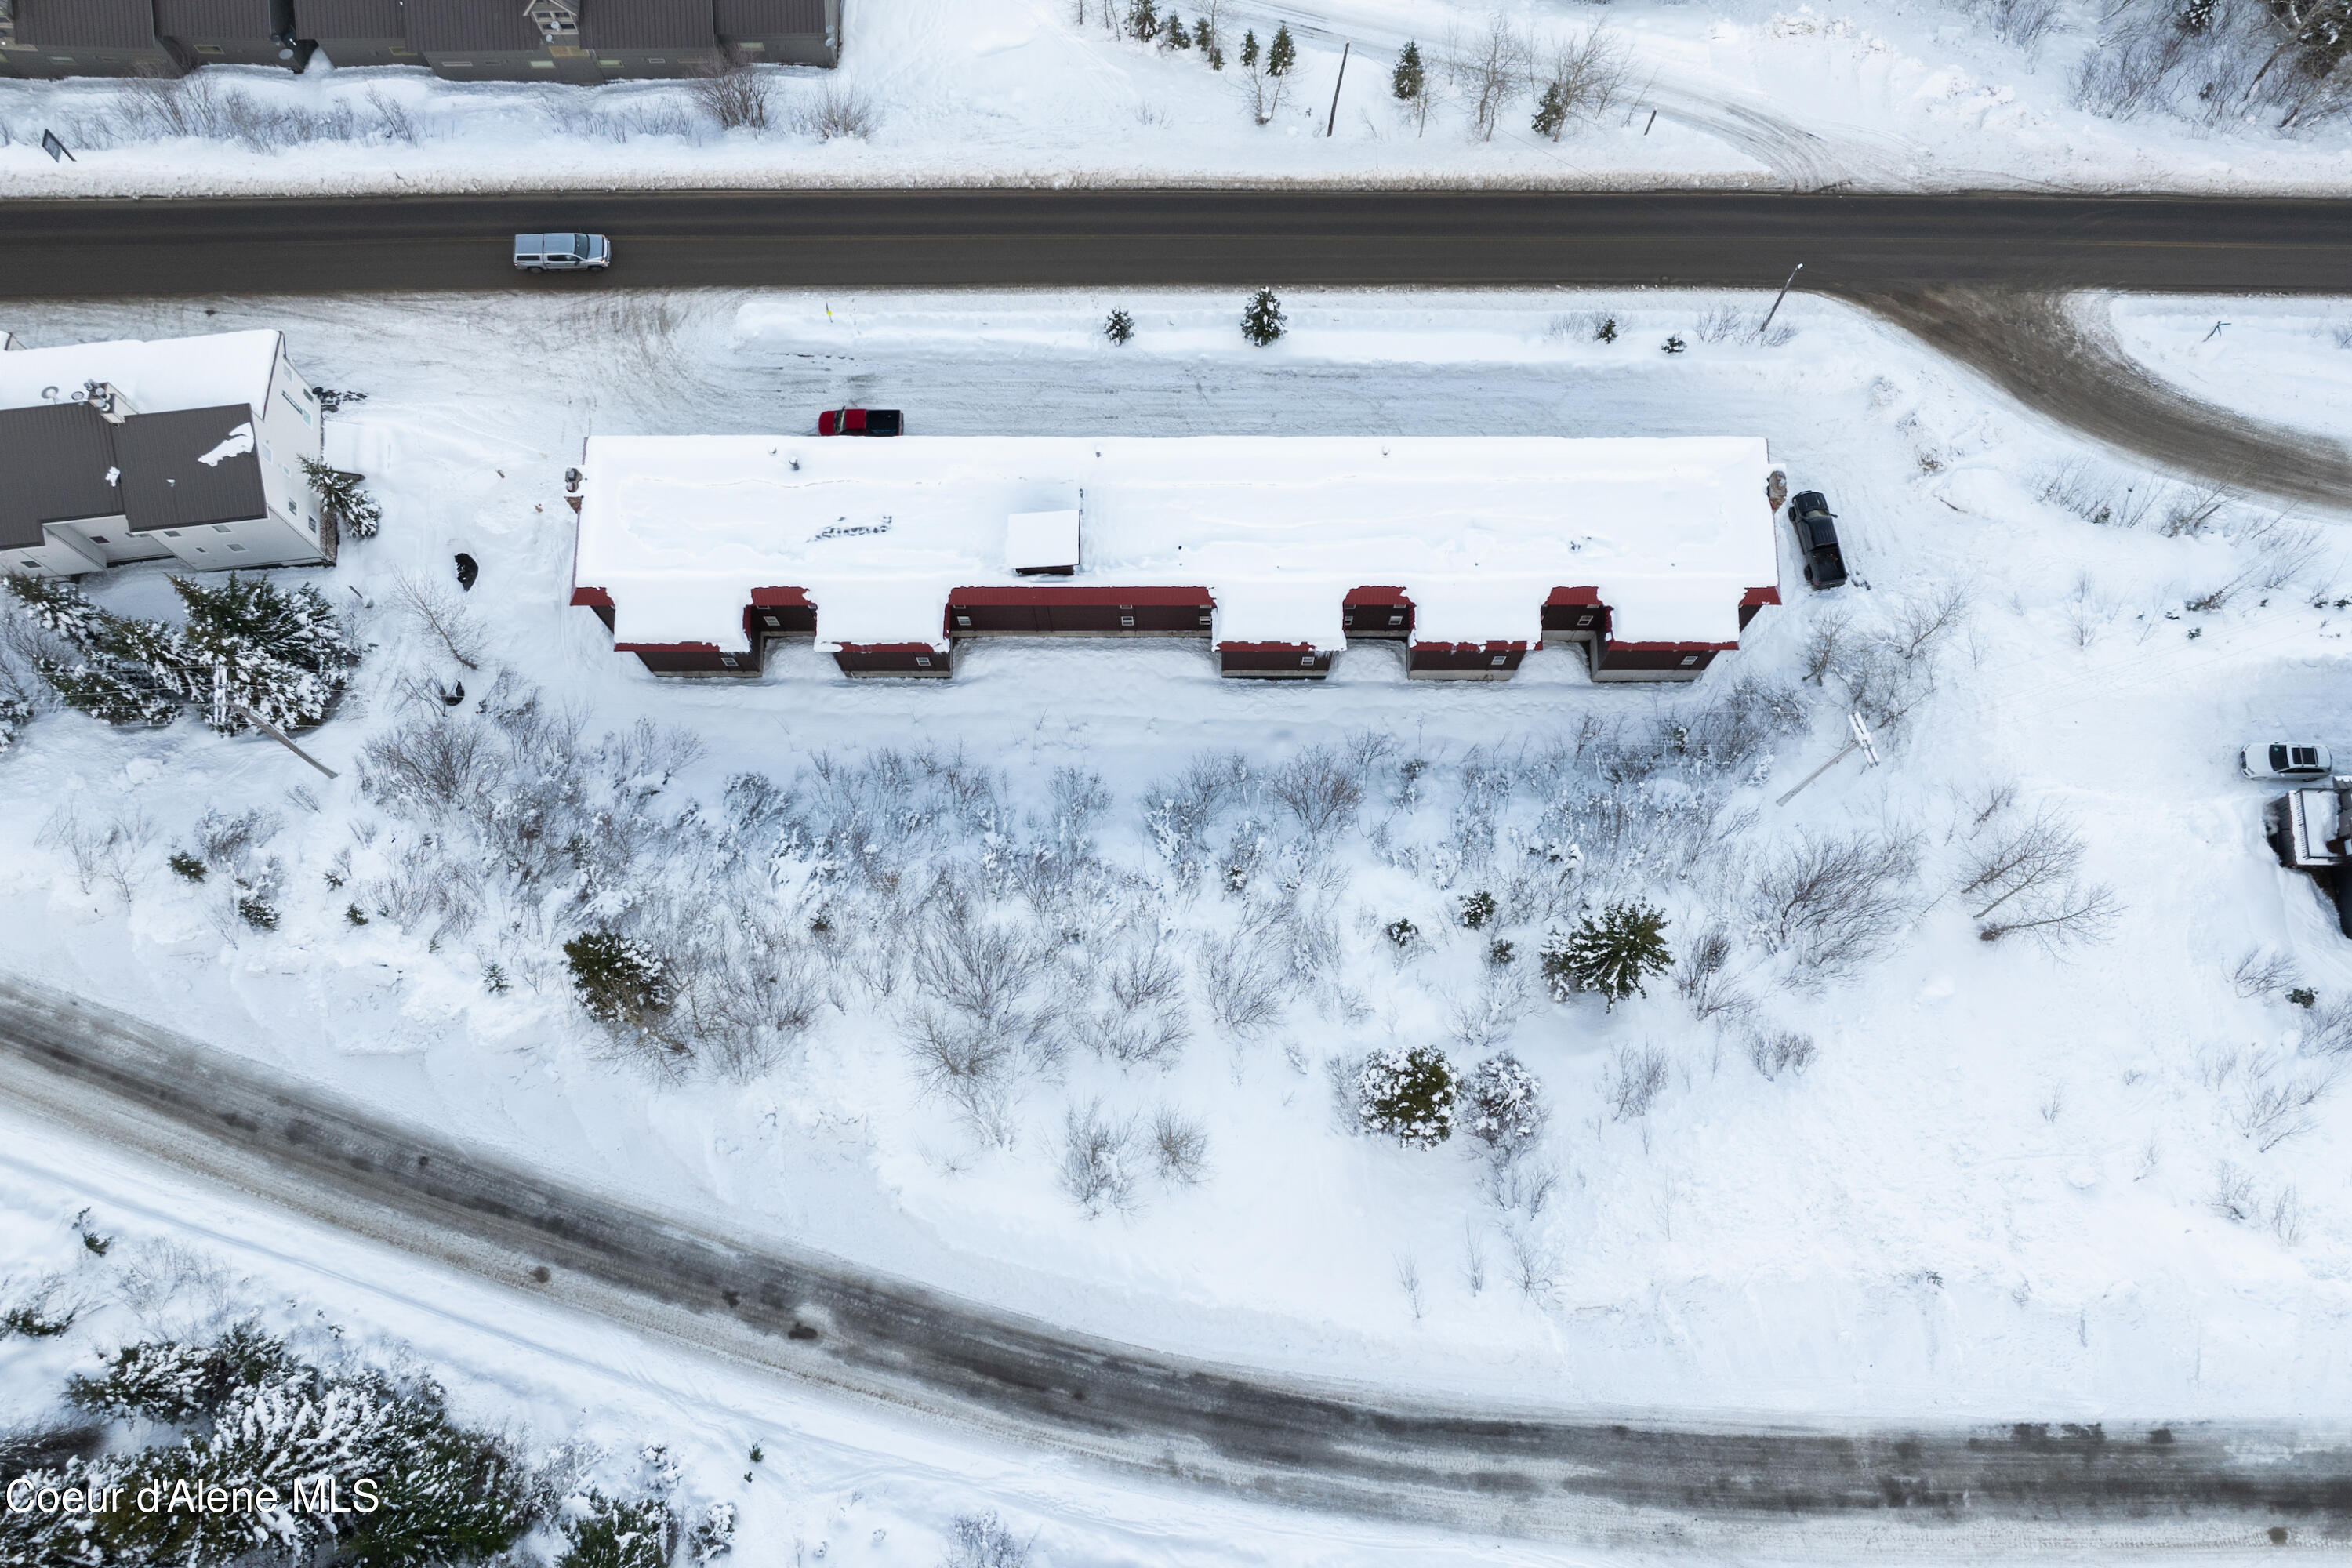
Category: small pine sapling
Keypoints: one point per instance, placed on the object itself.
(1407, 1093)
(257, 911)
(1606, 332)
(1262, 321)
(1249, 47)
(494, 978)
(1501, 954)
(355, 916)
(1205, 39)
(2303, 996)
(1403, 932)
(1282, 54)
(1673, 344)
(1551, 112)
(1410, 79)
(1477, 910)
(618, 979)
(1119, 327)
(185, 866)
(1173, 36)
(1612, 953)
(1143, 20)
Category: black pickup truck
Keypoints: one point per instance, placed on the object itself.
(1817, 537)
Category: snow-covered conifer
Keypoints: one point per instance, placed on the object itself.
(1410, 79)
(617, 978)
(1262, 321)
(1118, 326)
(1551, 112)
(1502, 1105)
(351, 508)
(1249, 47)
(1173, 36)
(1407, 1093)
(1282, 54)
(607, 1533)
(1612, 953)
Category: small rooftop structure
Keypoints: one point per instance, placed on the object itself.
(1661, 543)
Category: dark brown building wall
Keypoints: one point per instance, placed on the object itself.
(474, 28)
(1376, 613)
(87, 24)
(1271, 661)
(779, 621)
(357, 32)
(690, 660)
(912, 660)
(661, 26)
(1493, 661)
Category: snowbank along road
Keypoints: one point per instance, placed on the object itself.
(1012, 238)
(1933, 1490)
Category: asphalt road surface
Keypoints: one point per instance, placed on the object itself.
(1004, 238)
(1931, 1489)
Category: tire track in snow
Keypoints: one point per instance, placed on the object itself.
(1930, 1490)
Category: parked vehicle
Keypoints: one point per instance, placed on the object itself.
(2279, 760)
(1817, 537)
(861, 422)
(562, 252)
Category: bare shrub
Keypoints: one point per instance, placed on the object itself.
(1719, 324)
(837, 113)
(1634, 1078)
(1099, 1160)
(1180, 1146)
(2327, 1028)
(1776, 1051)
(1921, 622)
(1700, 979)
(113, 851)
(2023, 24)
(982, 1540)
(1489, 68)
(431, 765)
(1586, 72)
(223, 842)
(736, 96)
(985, 972)
(1245, 989)
(2027, 857)
(2276, 1103)
(2130, 68)
(1835, 902)
(392, 117)
(1532, 1263)
(437, 611)
(2063, 917)
(1822, 646)
(2233, 1194)
(1319, 788)
(2262, 974)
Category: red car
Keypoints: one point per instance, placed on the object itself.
(860, 421)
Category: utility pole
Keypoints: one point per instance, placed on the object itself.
(1775, 310)
(1333, 123)
(1861, 742)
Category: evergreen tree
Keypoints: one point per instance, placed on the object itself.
(351, 508)
(1262, 321)
(1612, 953)
(1409, 81)
(1673, 344)
(1502, 1105)
(1606, 331)
(1551, 112)
(1249, 47)
(605, 1532)
(1204, 37)
(618, 979)
(1143, 20)
(1282, 54)
(1407, 1093)
(1174, 36)
(1119, 327)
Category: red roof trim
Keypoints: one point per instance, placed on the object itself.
(778, 598)
(1573, 596)
(1269, 648)
(1377, 596)
(1472, 646)
(668, 648)
(1092, 596)
(1759, 597)
(592, 596)
(889, 647)
(1615, 646)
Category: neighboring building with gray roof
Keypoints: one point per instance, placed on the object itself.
(187, 447)
(48, 38)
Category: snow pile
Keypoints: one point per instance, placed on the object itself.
(157, 377)
(1477, 530)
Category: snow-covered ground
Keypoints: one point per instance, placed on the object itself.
(1866, 94)
(2289, 364)
(2007, 1175)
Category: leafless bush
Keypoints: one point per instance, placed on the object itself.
(2340, 333)
(1320, 789)
(745, 991)
(983, 970)
(438, 613)
(1099, 1160)
(223, 842)
(2262, 974)
(1921, 622)
(2020, 858)
(1835, 902)
(2233, 1194)
(1531, 1261)
(1180, 1146)
(1634, 1078)
(837, 113)
(113, 851)
(1777, 1051)
(2326, 1029)
(431, 763)
(981, 1540)
(1700, 976)
(1720, 325)
(735, 96)
(2091, 495)
(1489, 68)
(2276, 1102)
(2059, 917)
(1588, 69)
(2283, 550)
(1246, 990)
(1822, 648)
(2023, 24)
(2130, 68)
(392, 117)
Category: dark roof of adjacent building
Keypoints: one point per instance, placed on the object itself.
(648, 25)
(245, 21)
(87, 24)
(348, 18)
(455, 27)
(757, 18)
(166, 483)
(53, 463)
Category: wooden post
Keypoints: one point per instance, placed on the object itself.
(1330, 124)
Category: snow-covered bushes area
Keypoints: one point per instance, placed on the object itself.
(1888, 94)
(2009, 1065)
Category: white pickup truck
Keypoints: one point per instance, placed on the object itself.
(2308, 829)
(562, 252)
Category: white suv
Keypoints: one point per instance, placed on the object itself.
(562, 252)
(2277, 760)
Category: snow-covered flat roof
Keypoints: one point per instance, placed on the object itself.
(1478, 529)
(163, 374)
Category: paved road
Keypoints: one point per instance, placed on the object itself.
(1849, 243)
(1930, 1490)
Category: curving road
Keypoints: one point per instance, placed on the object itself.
(1931, 1489)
